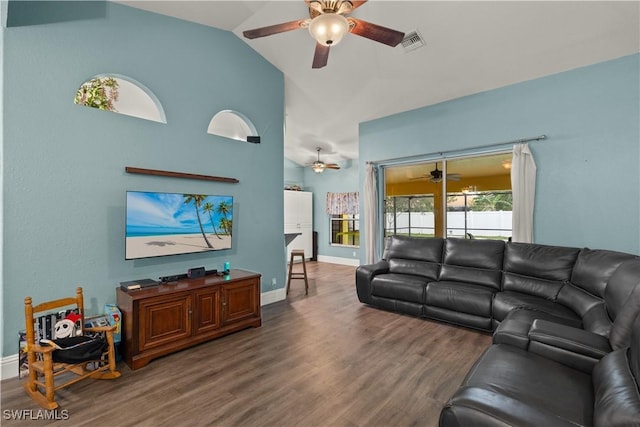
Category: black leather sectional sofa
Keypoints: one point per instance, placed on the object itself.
(565, 351)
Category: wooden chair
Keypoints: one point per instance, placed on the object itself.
(40, 356)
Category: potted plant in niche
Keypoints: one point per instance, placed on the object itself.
(99, 92)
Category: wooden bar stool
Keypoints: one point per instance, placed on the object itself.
(298, 275)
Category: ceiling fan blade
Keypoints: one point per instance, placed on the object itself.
(357, 4)
(331, 166)
(375, 32)
(321, 56)
(275, 29)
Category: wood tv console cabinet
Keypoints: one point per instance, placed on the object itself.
(173, 316)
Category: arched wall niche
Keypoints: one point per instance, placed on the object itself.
(120, 94)
(234, 125)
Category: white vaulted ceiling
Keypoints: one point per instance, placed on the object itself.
(471, 47)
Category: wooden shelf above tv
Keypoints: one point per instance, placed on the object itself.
(170, 174)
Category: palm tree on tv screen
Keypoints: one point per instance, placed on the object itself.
(226, 224)
(209, 208)
(197, 200)
(224, 208)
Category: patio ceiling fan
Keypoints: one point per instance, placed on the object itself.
(319, 166)
(436, 176)
(327, 24)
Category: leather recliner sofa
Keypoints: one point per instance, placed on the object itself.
(511, 386)
(483, 283)
(551, 308)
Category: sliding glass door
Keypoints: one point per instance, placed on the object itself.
(460, 197)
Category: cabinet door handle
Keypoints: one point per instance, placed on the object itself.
(190, 311)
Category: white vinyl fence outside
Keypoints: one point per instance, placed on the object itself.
(482, 223)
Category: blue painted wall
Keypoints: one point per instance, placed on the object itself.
(293, 174)
(63, 180)
(588, 182)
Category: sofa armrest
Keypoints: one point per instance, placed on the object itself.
(513, 332)
(576, 348)
(364, 275)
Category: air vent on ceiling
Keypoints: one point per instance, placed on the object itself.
(412, 41)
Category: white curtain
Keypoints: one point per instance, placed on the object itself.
(371, 229)
(523, 186)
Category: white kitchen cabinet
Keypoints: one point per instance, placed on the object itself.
(298, 219)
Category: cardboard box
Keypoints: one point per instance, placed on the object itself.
(115, 319)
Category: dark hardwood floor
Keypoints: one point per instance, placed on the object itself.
(323, 359)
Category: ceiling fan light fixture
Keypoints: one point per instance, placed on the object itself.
(318, 167)
(328, 28)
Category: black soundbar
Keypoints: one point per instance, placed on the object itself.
(189, 275)
(174, 278)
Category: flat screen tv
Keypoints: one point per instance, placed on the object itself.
(160, 224)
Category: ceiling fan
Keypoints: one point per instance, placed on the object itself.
(327, 24)
(436, 176)
(319, 166)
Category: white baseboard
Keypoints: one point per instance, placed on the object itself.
(337, 260)
(9, 367)
(275, 295)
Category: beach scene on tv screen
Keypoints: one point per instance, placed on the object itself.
(159, 224)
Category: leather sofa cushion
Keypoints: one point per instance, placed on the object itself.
(506, 301)
(511, 386)
(542, 288)
(462, 297)
(590, 308)
(418, 257)
(428, 270)
(478, 276)
(578, 299)
(427, 249)
(593, 268)
(553, 263)
(473, 261)
(403, 287)
(473, 253)
(622, 282)
(597, 321)
(514, 329)
(573, 347)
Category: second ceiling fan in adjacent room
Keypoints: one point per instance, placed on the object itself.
(319, 166)
(436, 176)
